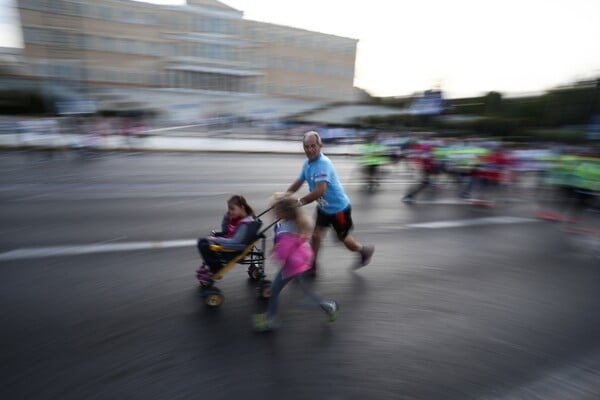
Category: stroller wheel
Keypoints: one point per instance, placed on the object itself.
(255, 272)
(264, 289)
(213, 297)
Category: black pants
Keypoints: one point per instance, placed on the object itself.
(425, 182)
(211, 258)
(372, 172)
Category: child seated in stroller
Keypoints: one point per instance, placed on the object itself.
(235, 229)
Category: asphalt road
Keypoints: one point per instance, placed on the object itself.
(99, 298)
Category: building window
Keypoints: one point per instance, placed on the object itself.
(200, 24)
(30, 35)
(151, 48)
(130, 46)
(87, 10)
(149, 19)
(215, 51)
(105, 12)
(110, 44)
(67, 72)
(129, 17)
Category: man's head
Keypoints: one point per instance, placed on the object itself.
(312, 145)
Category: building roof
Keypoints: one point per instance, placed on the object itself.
(209, 3)
(346, 114)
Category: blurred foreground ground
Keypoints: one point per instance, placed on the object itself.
(460, 302)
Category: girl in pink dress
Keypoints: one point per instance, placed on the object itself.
(293, 252)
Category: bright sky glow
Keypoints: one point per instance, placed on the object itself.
(10, 34)
(467, 47)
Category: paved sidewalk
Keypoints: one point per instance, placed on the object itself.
(165, 143)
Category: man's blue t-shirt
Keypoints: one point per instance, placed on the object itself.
(334, 200)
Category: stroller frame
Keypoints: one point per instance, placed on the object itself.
(253, 256)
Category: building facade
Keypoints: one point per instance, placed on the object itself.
(296, 62)
(204, 45)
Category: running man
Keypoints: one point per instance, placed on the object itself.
(333, 205)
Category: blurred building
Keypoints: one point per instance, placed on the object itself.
(300, 63)
(126, 47)
(11, 61)
(430, 103)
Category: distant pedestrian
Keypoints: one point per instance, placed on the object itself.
(428, 166)
(374, 156)
(333, 205)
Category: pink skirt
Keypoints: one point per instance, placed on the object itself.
(294, 254)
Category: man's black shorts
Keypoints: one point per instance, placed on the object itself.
(341, 222)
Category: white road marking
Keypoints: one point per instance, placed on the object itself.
(172, 128)
(105, 247)
(471, 222)
(39, 252)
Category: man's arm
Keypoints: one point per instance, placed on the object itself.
(295, 186)
(318, 192)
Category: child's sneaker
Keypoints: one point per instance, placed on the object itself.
(261, 323)
(202, 267)
(204, 275)
(332, 308)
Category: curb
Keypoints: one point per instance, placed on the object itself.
(155, 143)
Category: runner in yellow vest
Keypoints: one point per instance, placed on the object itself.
(374, 155)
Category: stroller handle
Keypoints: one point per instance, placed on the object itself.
(264, 212)
(268, 227)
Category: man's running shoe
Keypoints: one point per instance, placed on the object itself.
(332, 308)
(365, 255)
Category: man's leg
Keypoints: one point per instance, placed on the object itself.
(425, 182)
(366, 251)
(342, 224)
(315, 243)
(351, 243)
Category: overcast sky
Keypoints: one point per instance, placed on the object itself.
(467, 47)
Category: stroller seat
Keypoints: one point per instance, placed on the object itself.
(231, 257)
(253, 255)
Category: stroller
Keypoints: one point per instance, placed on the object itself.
(253, 256)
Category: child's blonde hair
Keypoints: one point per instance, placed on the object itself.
(289, 209)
